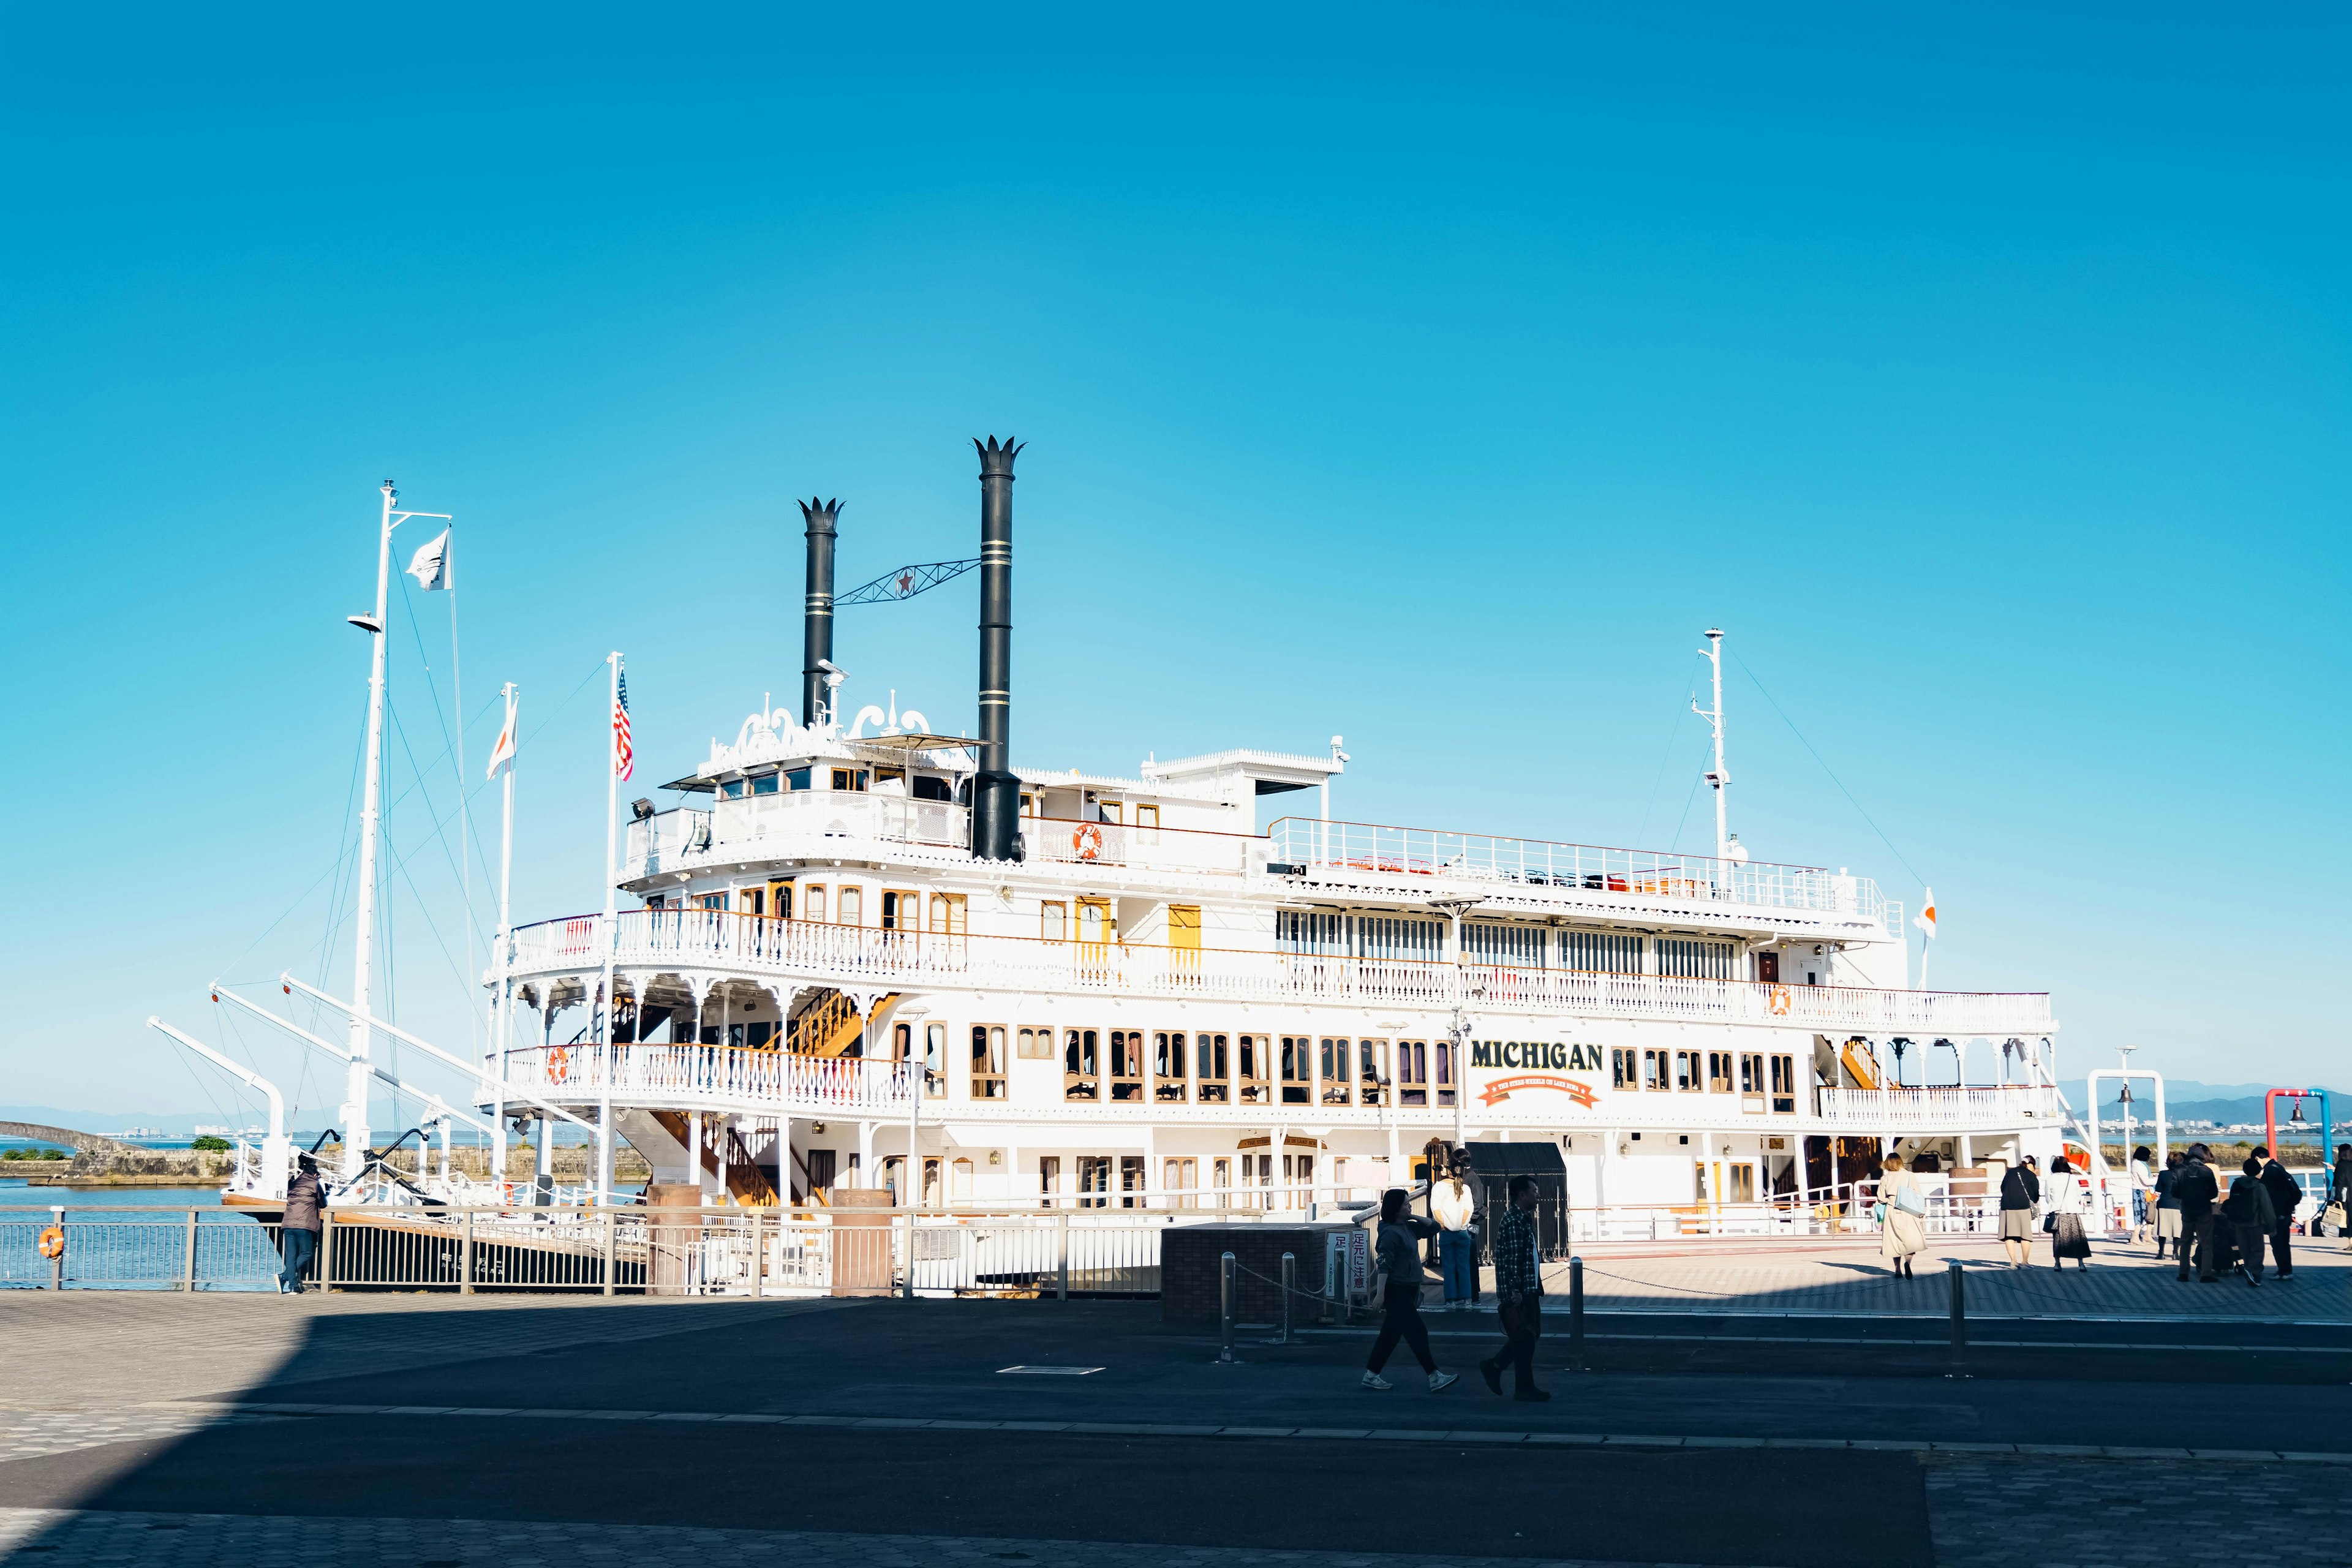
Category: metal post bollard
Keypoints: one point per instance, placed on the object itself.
(58, 1264)
(188, 1256)
(1576, 1314)
(1958, 1280)
(1226, 1283)
(466, 1255)
(1062, 1278)
(1289, 1289)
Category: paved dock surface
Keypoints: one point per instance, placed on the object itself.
(444, 1432)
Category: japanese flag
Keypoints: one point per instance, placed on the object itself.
(1925, 919)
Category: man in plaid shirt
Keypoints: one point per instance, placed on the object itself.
(1518, 1293)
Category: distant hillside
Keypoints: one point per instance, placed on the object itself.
(2189, 1100)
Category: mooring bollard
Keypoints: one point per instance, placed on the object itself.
(1289, 1286)
(58, 1258)
(1958, 1280)
(1576, 1314)
(1226, 1285)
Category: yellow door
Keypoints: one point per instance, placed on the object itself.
(1184, 926)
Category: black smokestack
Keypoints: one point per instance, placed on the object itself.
(816, 626)
(996, 792)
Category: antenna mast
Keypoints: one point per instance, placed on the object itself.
(1725, 846)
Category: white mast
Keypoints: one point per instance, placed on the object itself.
(612, 895)
(356, 1081)
(505, 1022)
(1713, 654)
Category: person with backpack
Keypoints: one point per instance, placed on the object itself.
(300, 1228)
(2286, 1196)
(1903, 1217)
(2020, 1189)
(2197, 1191)
(2167, 1207)
(2251, 1215)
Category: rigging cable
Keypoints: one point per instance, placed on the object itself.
(1827, 769)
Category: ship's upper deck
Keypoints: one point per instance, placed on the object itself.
(785, 794)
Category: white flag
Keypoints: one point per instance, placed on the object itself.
(502, 754)
(430, 565)
(1925, 919)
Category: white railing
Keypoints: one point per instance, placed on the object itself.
(1065, 841)
(719, 1074)
(847, 955)
(763, 824)
(1358, 850)
(1973, 1106)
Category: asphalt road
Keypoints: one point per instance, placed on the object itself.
(943, 1360)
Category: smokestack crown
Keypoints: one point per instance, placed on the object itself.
(996, 459)
(820, 515)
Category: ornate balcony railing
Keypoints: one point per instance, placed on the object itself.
(1949, 1106)
(718, 1074)
(1429, 858)
(859, 957)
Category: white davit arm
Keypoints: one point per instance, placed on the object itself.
(274, 1151)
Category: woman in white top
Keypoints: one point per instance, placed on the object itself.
(2143, 1192)
(1903, 1229)
(2061, 1208)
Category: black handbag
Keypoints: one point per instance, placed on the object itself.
(2049, 1225)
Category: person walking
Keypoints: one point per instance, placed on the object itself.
(2195, 1188)
(299, 1231)
(2251, 1215)
(2063, 1217)
(1455, 1207)
(1903, 1217)
(1398, 1251)
(2167, 1207)
(2286, 1196)
(2142, 1189)
(1518, 1294)
(2021, 1190)
(2339, 1189)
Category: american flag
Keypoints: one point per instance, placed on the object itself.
(623, 759)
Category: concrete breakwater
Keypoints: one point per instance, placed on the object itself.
(120, 1167)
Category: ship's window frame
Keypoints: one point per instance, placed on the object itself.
(731, 789)
(1624, 1068)
(1052, 921)
(796, 779)
(1444, 1056)
(947, 914)
(764, 783)
(849, 905)
(1253, 1069)
(1212, 1065)
(1298, 1069)
(935, 1061)
(814, 903)
(1412, 1072)
(988, 1061)
(1689, 1066)
(1179, 1178)
(1134, 1180)
(1784, 1075)
(1657, 1069)
(894, 902)
(1718, 1072)
(1751, 1080)
(1334, 1076)
(1147, 815)
(850, 781)
(1372, 1067)
(1082, 1065)
(1049, 1180)
(1171, 1081)
(1094, 1173)
(1033, 1043)
(1126, 1073)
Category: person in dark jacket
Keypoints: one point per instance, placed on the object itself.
(2194, 1186)
(299, 1233)
(2167, 1207)
(1399, 1251)
(2020, 1189)
(2343, 1183)
(1518, 1291)
(2287, 1194)
(2251, 1215)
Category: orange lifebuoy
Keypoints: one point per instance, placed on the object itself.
(559, 1063)
(1086, 841)
(1775, 1001)
(53, 1242)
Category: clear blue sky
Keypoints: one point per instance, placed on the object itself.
(1426, 375)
